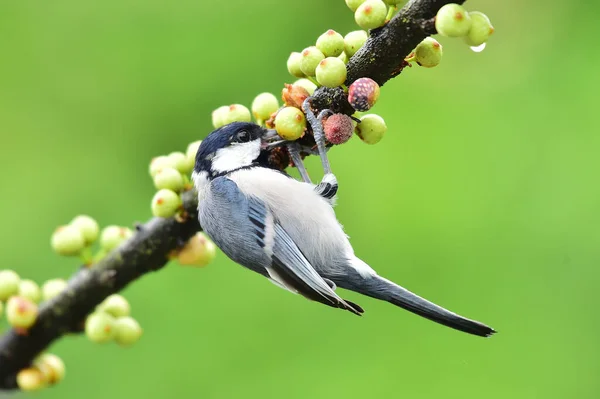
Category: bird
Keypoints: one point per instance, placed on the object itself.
(286, 229)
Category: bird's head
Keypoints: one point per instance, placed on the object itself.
(232, 147)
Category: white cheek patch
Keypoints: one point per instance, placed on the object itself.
(201, 183)
(236, 156)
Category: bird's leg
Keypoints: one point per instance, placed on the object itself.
(297, 159)
(328, 186)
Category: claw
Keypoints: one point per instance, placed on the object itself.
(316, 124)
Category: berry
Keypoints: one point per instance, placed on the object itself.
(169, 178)
(67, 241)
(165, 203)
(452, 21)
(30, 379)
(112, 236)
(290, 123)
(237, 113)
(88, 227)
(198, 251)
(309, 86)
(115, 305)
(311, 56)
(21, 312)
(99, 327)
(218, 116)
(30, 290)
(371, 128)
(428, 53)
(294, 95)
(263, 106)
(331, 72)
(394, 2)
(9, 284)
(179, 162)
(52, 288)
(192, 150)
(481, 29)
(354, 4)
(371, 14)
(353, 41)
(127, 331)
(338, 128)
(331, 43)
(51, 366)
(293, 65)
(343, 57)
(159, 163)
(363, 94)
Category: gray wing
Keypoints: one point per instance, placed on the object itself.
(285, 263)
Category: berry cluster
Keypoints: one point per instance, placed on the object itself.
(19, 299)
(111, 321)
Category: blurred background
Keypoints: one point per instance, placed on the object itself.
(482, 197)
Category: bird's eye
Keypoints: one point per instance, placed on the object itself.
(243, 136)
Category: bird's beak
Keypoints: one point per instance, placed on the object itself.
(271, 140)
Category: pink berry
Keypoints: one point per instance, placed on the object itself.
(363, 94)
(338, 128)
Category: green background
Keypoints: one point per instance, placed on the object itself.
(483, 197)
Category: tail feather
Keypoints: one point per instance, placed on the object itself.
(381, 288)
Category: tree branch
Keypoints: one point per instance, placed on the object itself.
(381, 58)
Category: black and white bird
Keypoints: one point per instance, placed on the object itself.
(286, 230)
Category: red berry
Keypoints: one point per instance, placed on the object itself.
(338, 128)
(363, 94)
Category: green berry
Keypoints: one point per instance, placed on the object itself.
(354, 4)
(115, 305)
(30, 290)
(311, 56)
(52, 288)
(112, 236)
(67, 241)
(169, 178)
(452, 21)
(87, 226)
(9, 284)
(198, 251)
(263, 106)
(51, 366)
(331, 72)
(192, 150)
(218, 116)
(353, 41)
(237, 113)
(309, 86)
(21, 312)
(371, 14)
(363, 94)
(290, 123)
(338, 128)
(343, 57)
(99, 327)
(481, 29)
(165, 203)
(127, 331)
(179, 162)
(394, 2)
(293, 65)
(371, 128)
(30, 379)
(331, 43)
(159, 163)
(428, 53)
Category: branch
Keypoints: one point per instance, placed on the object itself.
(381, 58)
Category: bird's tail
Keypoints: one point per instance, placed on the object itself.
(381, 288)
